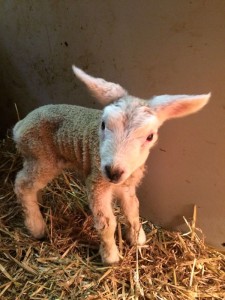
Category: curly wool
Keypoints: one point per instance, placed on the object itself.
(66, 133)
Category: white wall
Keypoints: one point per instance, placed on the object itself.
(149, 47)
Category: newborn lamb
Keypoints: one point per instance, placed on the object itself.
(107, 149)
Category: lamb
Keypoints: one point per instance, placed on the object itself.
(107, 149)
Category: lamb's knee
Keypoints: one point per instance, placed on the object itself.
(30, 183)
(105, 225)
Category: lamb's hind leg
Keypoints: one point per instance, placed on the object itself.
(29, 181)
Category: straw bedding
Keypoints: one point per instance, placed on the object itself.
(67, 266)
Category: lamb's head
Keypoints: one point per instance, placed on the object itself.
(129, 125)
(128, 131)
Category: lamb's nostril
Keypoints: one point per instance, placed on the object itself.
(118, 175)
(108, 171)
(112, 173)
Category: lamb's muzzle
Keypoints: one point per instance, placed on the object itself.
(113, 174)
(107, 148)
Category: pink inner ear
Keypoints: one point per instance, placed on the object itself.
(180, 109)
(178, 106)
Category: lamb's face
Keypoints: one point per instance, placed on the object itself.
(128, 131)
(129, 126)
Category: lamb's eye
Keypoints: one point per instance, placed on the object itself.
(103, 125)
(150, 137)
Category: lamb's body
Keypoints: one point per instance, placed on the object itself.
(106, 149)
(64, 134)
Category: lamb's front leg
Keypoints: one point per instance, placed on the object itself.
(130, 206)
(100, 197)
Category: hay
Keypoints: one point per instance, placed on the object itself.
(67, 264)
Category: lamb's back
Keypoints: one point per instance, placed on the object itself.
(66, 131)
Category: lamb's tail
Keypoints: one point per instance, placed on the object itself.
(17, 131)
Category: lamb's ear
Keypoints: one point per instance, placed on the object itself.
(175, 106)
(104, 91)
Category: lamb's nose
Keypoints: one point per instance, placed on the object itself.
(112, 173)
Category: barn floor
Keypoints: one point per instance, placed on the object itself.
(67, 265)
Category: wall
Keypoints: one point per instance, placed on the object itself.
(149, 47)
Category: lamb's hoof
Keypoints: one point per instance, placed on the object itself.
(141, 237)
(109, 256)
(136, 238)
(37, 228)
(44, 238)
